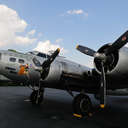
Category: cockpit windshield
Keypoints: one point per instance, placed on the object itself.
(39, 54)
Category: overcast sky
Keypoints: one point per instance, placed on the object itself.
(45, 25)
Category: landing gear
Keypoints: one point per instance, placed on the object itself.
(82, 106)
(36, 96)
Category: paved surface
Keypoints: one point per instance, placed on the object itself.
(56, 111)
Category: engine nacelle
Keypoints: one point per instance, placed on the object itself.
(121, 68)
(118, 66)
(54, 73)
(109, 66)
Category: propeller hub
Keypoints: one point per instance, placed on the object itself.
(100, 56)
(110, 61)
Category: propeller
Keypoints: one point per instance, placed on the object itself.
(46, 64)
(85, 50)
(104, 58)
(119, 43)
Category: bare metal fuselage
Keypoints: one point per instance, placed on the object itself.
(63, 73)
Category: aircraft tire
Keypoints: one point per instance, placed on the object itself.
(33, 97)
(82, 105)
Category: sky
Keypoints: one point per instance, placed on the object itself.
(45, 25)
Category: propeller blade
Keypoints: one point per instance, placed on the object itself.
(119, 43)
(50, 59)
(85, 50)
(46, 64)
(102, 87)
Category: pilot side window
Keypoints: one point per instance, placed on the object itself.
(12, 59)
(41, 55)
(36, 62)
(21, 61)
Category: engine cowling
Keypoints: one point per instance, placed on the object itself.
(54, 73)
(112, 60)
(117, 66)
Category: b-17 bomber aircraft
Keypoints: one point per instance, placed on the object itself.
(39, 71)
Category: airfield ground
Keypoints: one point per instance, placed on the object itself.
(56, 111)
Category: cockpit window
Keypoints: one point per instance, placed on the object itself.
(21, 61)
(41, 55)
(36, 62)
(12, 59)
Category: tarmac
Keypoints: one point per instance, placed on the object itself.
(56, 111)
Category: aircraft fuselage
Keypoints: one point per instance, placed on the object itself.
(62, 72)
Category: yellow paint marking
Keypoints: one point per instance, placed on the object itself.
(77, 46)
(102, 106)
(58, 49)
(77, 115)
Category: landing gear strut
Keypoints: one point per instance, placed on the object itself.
(36, 96)
(82, 106)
